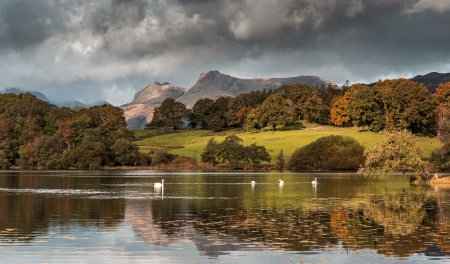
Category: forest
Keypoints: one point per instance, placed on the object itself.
(35, 135)
(387, 106)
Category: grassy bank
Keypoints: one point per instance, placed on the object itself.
(192, 143)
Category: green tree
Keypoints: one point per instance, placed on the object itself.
(256, 154)
(274, 111)
(280, 160)
(125, 152)
(201, 113)
(399, 152)
(332, 152)
(169, 115)
(210, 154)
(365, 108)
(162, 157)
(230, 150)
(91, 155)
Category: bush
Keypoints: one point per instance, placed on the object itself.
(328, 153)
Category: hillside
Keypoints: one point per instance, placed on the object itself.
(194, 142)
(432, 80)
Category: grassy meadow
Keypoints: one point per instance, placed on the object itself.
(192, 143)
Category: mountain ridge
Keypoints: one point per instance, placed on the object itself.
(211, 84)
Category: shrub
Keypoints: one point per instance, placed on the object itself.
(328, 153)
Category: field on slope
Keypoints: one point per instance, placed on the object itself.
(192, 143)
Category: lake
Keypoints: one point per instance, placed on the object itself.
(214, 217)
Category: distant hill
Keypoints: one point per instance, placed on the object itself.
(75, 104)
(41, 96)
(15, 90)
(212, 85)
(432, 80)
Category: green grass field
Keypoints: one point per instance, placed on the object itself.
(194, 142)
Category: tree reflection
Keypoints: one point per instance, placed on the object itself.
(30, 204)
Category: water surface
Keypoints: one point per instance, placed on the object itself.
(200, 217)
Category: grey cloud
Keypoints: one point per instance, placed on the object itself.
(30, 23)
(111, 40)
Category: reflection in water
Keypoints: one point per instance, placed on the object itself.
(218, 214)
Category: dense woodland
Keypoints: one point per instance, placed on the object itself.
(35, 135)
(387, 106)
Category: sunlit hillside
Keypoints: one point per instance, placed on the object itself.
(192, 143)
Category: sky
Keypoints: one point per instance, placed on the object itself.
(109, 49)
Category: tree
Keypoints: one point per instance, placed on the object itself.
(91, 155)
(365, 108)
(125, 152)
(274, 111)
(407, 105)
(441, 114)
(339, 115)
(256, 154)
(305, 100)
(280, 159)
(201, 113)
(231, 151)
(328, 153)
(162, 157)
(169, 115)
(399, 152)
(210, 154)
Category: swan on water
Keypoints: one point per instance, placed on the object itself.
(159, 185)
(281, 182)
(253, 182)
(315, 181)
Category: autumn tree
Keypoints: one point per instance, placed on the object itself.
(441, 114)
(241, 105)
(399, 152)
(339, 110)
(407, 105)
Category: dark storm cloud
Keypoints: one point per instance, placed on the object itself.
(107, 41)
(28, 23)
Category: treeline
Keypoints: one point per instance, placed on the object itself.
(257, 109)
(35, 135)
(389, 105)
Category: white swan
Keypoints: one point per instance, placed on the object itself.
(253, 182)
(159, 185)
(281, 182)
(315, 181)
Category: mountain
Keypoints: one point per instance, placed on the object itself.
(154, 94)
(214, 84)
(75, 104)
(432, 80)
(15, 90)
(41, 96)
